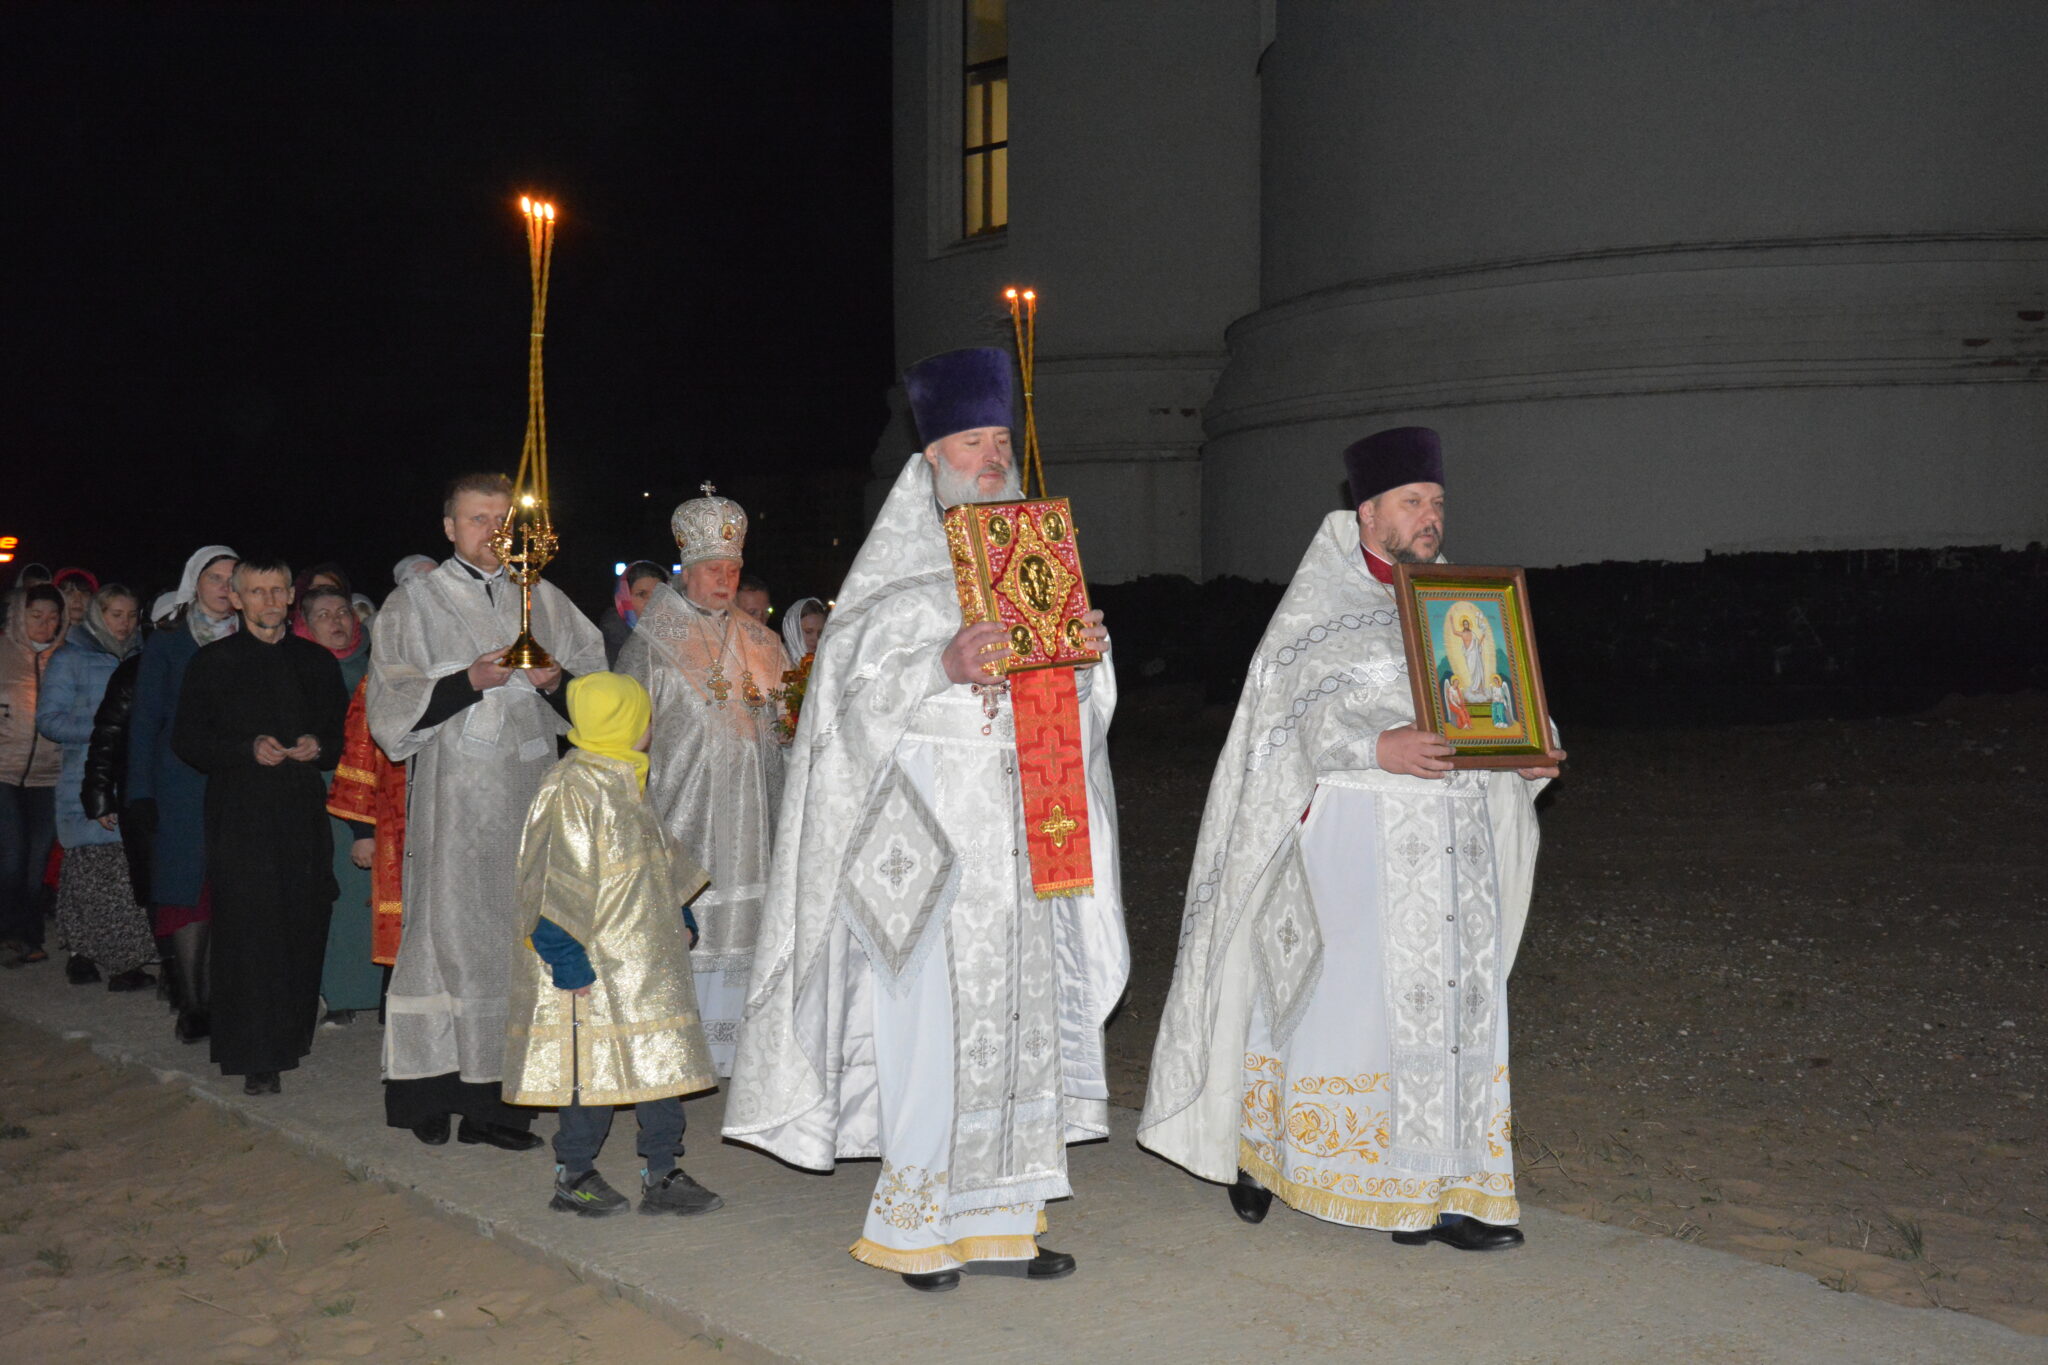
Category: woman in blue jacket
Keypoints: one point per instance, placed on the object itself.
(97, 918)
(167, 794)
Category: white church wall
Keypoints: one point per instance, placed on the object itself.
(1133, 209)
(1670, 278)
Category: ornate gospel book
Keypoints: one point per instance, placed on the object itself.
(1019, 564)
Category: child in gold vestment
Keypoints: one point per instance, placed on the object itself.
(603, 1007)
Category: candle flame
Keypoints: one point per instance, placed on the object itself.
(526, 501)
(1010, 293)
(550, 211)
(1030, 294)
(525, 205)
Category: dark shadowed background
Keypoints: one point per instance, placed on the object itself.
(269, 285)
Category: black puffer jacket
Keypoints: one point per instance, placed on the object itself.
(104, 787)
(106, 754)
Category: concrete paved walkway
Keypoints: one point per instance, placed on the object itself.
(1167, 1274)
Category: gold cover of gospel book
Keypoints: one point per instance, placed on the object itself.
(1019, 564)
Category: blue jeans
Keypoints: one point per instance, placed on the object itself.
(28, 826)
(584, 1127)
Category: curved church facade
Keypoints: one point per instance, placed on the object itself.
(1672, 279)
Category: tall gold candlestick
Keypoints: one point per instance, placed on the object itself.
(525, 542)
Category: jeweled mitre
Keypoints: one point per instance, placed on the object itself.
(709, 527)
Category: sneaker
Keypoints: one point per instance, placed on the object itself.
(587, 1194)
(676, 1193)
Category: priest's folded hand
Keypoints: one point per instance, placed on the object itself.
(487, 673)
(1094, 634)
(305, 751)
(268, 751)
(1556, 757)
(976, 653)
(1414, 753)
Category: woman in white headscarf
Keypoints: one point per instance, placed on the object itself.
(802, 624)
(166, 795)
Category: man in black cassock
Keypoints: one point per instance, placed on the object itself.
(261, 715)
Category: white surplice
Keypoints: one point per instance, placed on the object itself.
(470, 780)
(1337, 1024)
(913, 998)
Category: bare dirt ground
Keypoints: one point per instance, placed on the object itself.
(140, 1224)
(1780, 992)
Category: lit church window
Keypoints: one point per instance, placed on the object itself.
(985, 121)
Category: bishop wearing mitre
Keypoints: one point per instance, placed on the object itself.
(716, 777)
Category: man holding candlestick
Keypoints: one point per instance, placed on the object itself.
(913, 997)
(478, 739)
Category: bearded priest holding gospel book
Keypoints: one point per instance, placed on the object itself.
(915, 996)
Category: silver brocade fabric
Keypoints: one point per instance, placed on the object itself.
(470, 782)
(716, 777)
(1329, 675)
(1032, 981)
(595, 862)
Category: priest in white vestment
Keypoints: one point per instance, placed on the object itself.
(477, 739)
(716, 780)
(913, 998)
(1336, 1034)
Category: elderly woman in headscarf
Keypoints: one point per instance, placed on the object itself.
(167, 794)
(97, 917)
(411, 567)
(350, 979)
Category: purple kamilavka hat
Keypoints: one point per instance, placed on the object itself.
(1391, 458)
(961, 390)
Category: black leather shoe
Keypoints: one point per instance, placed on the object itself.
(1046, 1265)
(433, 1131)
(937, 1282)
(1248, 1201)
(497, 1135)
(193, 1026)
(1466, 1234)
(81, 971)
(262, 1083)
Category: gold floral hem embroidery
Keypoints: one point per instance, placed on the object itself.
(906, 1198)
(1389, 1203)
(948, 1256)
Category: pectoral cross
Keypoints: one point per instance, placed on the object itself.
(1059, 825)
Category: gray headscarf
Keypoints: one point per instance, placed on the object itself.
(404, 569)
(95, 622)
(203, 627)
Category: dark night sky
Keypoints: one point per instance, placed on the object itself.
(268, 282)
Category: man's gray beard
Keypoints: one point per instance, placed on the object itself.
(952, 489)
